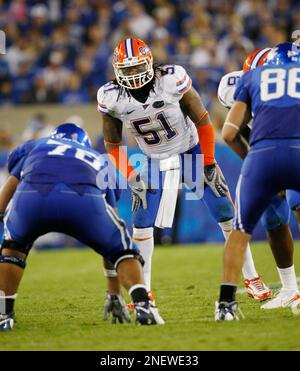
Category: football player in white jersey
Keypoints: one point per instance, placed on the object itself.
(161, 109)
(276, 217)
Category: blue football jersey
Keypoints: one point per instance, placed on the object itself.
(273, 94)
(50, 161)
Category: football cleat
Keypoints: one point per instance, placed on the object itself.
(130, 306)
(147, 314)
(151, 297)
(226, 311)
(257, 290)
(6, 322)
(116, 307)
(285, 298)
(295, 304)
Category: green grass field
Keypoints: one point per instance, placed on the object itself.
(61, 297)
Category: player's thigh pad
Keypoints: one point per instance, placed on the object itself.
(254, 192)
(95, 223)
(293, 199)
(276, 214)
(24, 219)
(145, 218)
(221, 208)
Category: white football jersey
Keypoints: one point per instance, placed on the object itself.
(159, 126)
(227, 87)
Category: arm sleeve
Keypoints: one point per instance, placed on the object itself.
(17, 158)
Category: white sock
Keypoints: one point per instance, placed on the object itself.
(143, 238)
(248, 269)
(288, 278)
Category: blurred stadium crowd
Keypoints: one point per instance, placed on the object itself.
(59, 51)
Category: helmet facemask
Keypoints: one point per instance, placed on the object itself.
(134, 74)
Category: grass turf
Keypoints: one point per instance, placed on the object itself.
(60, 302)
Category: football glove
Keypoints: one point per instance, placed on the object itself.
(215, 180)
(138, 192)
(116, 307)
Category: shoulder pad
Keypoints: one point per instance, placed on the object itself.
(106, 96)
(227, 88)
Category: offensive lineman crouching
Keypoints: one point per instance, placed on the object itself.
(56, 181)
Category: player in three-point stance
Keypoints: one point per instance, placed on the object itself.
(271, 93)
(55, 182)
(164, 113)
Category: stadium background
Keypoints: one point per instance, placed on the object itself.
(59, 53)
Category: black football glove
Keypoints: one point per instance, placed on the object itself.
(214, 179)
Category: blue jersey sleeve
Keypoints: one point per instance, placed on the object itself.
(17, 158)
(241, 92)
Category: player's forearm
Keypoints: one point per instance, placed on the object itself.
(231, 133)
(7, 191)
(112, 132)
(238, 144)
(206, 135)
(120, 159)
(192, 106)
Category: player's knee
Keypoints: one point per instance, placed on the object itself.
(12, 253)
(293, 199)
(124, 255)
(221, 208)
(141, 234)
(294, 204)
(18, 248)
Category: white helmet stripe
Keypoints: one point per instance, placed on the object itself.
(129, 48)
(258, 56)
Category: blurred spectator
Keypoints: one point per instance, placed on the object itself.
(41, 93)
(56, 75)
(140, 23)
(6, 145)
(60, 51)
(17, 54)
(38, 127)
(5, 91)
(22, 83)
(74, 93)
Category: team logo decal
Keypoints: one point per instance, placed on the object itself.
(143, 50)
(158, 104)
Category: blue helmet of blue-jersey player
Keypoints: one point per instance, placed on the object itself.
(283, 54)
(72, 132)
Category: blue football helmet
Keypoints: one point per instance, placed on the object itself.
(283, 54)
(72, 132)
